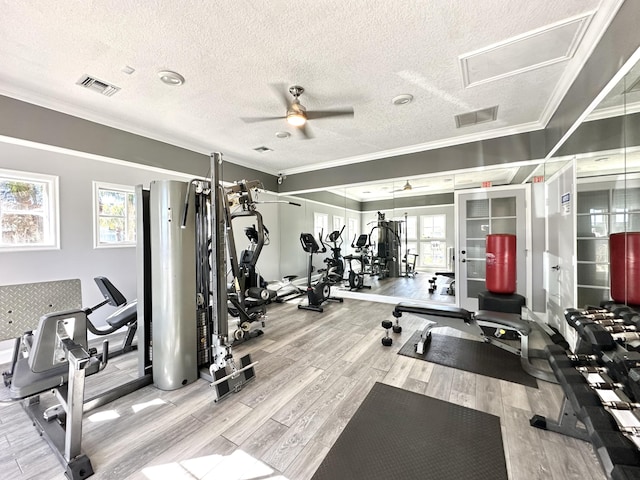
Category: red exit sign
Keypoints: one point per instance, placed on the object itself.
(486, 184)
(538, 179)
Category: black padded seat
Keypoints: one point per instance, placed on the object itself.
(26, 383)
(124, 315)
(597, 419)
(440, 311)
(446, 274)
(251, 302)
(509, 320)
(614, 448)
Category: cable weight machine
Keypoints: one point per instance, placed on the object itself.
(184, 286)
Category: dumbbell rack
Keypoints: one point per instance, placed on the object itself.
(601, 383)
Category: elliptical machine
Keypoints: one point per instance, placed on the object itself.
(320, 292)
(356, 279)
(335, 262)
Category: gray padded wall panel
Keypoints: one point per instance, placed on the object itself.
(173, 284)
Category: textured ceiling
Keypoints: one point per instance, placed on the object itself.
(344, 53)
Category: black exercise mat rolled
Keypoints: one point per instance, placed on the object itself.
(471, 356)
(400, 434)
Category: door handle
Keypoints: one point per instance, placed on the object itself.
(463, 260)
(555, 267)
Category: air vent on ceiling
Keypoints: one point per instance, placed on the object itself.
(479, 116)
(263, 149)
(96, 85)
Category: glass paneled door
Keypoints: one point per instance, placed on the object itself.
(480, 213)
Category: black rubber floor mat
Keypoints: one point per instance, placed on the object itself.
(397, 434)
(471, 356)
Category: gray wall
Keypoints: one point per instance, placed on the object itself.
(76, 258)
(269, 261)
(32, 123)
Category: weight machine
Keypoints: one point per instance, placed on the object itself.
(182, 288)
(386, 262)
(247, 297)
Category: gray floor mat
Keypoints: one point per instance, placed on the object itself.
(471, 356)
(397, 434)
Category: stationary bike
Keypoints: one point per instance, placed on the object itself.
(320, 292)
(356, 279)
(335, 263)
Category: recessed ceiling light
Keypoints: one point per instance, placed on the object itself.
(171, 78)
(402, 99)
(283, 134)
(128, 70)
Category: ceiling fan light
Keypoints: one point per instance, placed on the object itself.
(296, 119)
(407, 186)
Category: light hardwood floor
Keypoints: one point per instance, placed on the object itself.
(315, 369)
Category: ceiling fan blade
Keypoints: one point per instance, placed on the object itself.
(329, 113)
(259, 119)
(306, 132)
(282, 91)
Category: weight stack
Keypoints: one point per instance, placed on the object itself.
(624, 264)
(173, 283)
(501, 263)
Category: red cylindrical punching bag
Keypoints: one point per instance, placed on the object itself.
(624, 267)
(501, 263)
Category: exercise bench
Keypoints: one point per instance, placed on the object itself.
(472, 323)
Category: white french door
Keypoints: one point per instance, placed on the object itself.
(480, 213)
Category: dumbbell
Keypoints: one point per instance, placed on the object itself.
(387, 341)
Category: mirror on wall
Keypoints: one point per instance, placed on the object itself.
(419, 214)
(604, 153)
(319, 213)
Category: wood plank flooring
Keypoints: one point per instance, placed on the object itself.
(315, 370)
(416, 288)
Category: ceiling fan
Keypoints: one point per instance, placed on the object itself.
(408, 187)
(297, 115)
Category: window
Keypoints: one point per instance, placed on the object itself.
(320, 224)
(433, 243)
(28, 211)
(410, 228)
(115, 215)
(338, 222)
(433, 226)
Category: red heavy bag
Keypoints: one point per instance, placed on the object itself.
(501, 263)
(624, 264)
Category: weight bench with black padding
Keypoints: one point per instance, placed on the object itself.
(470, 322)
